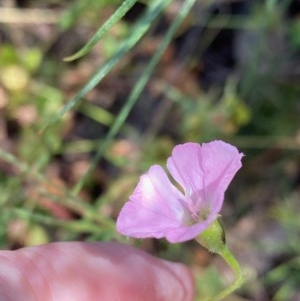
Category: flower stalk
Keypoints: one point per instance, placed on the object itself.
(235, 267)
(213, 238)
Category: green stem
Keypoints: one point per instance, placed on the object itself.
(226, 254)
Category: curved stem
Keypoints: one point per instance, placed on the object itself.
(226, 254)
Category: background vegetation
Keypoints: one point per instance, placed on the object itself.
(75, 135)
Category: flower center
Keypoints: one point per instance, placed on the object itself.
(203, 214)
(197, 211)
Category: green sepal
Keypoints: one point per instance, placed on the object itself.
(213, 238)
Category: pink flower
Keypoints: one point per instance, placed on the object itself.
(159, 209)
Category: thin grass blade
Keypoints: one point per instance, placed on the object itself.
(117, 15)
(139, 29)
(136, 92)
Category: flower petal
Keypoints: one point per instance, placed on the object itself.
(220, 162)
(205, 171)
(185, 166)
(155, 207)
